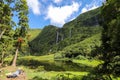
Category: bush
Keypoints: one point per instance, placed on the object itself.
(81, 57)
(83, 48)
(40, 68)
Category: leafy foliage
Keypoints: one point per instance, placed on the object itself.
(12, 38)
(111, 37)
(82, 48)
(6, 32)
(44, 42)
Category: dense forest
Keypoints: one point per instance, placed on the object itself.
(86, 48)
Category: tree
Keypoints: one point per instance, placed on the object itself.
(5, 28)
(5, 18)
(111, 37)
(21, 31)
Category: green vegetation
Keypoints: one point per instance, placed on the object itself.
(111, 38)
(92, 63)
(44, 41)
(33, 33)
(44, 68)
(86, 48)
(31, 65)
(12, 39)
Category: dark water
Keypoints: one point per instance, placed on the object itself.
(66, 66)
(56, 65)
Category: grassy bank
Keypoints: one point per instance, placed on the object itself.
(92, 63)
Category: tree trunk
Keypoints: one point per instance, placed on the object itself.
(2, 60)
(15, 57)
(2, 33)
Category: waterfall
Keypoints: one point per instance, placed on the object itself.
(70, 33)
(96, 20)
(57, 37)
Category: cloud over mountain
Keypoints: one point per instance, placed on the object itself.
(93, 5)
(59, 15)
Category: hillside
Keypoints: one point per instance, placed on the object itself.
(86, 48)
(90, 18)
(33, 33)
(53, 39)
(40, 43)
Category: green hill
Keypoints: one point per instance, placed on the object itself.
(53, 39)
(33, 33)
(44, 41)
(84, 48)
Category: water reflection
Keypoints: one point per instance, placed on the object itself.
(60, 65)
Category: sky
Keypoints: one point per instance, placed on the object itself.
(57, 12)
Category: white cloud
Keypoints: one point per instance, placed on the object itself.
(59, 15)
(88, 8)
(57, 1)
(91, 6)
(34, 5)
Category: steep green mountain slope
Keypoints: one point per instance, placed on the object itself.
(84, 48)
(53, 39)
(43, 43)
(33, 33)
(80, 35)
(88, 19)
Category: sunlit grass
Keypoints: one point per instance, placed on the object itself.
(92, 63)
(51, 74)
(33, 34)
(39, 58)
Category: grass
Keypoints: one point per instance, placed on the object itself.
(50, 74)
(40, 58)
(34, 33)
(92, 63)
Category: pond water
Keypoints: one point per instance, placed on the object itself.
(64, 66)
(60, 65)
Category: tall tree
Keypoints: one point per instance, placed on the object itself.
(111, 37)
(5, 28)
(5, 18)
(21, 31)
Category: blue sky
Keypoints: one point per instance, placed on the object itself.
(57, 12)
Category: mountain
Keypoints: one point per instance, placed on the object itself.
(87, 47)
(53, 39)
(44, 41)
(33, 33)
